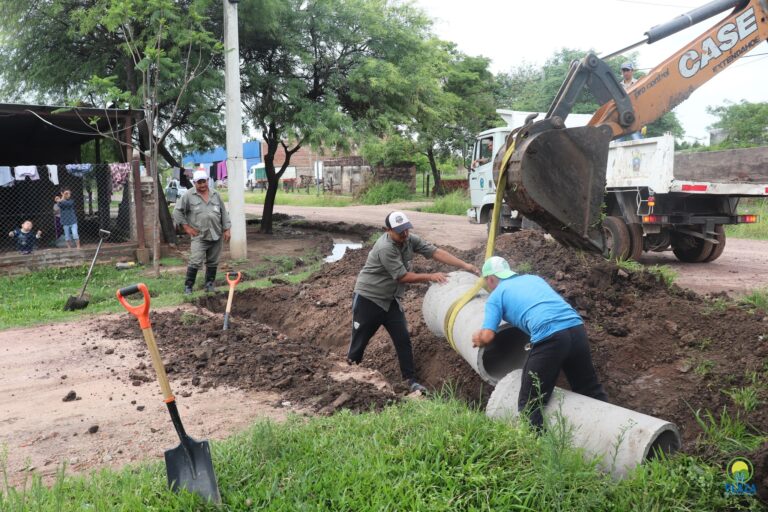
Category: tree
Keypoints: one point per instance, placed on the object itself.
(527, 88)
(321, 72)
(458, 106)
(745, 123)
(67, 51)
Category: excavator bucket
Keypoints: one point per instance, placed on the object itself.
(557, 179)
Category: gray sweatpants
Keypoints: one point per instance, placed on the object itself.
(204, 251)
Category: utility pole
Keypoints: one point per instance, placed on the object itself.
(238, 246)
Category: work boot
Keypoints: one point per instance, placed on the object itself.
(189, 282)
(210, 277)
(414, 386)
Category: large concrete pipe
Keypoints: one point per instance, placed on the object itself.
(620, 437)
(506, 353)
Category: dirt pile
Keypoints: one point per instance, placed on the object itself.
(199, 355)
(660, 350)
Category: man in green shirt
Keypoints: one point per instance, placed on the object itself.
(380, 287)
(202, 215)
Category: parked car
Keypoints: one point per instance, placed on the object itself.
(174, 191)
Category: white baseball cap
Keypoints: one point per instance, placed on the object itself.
(199, 175)
(398, 222)
(497, 266)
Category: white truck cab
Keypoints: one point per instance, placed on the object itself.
(482, 189)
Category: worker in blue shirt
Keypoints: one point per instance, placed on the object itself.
(558, 339)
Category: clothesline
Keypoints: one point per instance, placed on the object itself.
(11, 174)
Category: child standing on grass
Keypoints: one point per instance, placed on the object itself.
(26, 240)
(69, 218)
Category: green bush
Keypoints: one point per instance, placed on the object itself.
(455, 203)
(386, 192)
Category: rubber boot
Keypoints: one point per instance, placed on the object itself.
(210, 277)
(189, 282)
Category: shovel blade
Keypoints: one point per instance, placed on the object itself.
(190, 466)
(557, 179)
(74, 303)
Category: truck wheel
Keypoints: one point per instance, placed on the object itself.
(635, 241)
(617, 243)
(691, 249)
(718, 249)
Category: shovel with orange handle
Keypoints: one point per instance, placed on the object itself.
(232, 278)
(189, 466)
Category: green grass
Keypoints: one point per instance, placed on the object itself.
(757, 299)
(39, 297)
(431, 455)
(759, 230)
(386, 192)
(455, 203)
(666, 274)
(296, 198)
(746, 397)
(727, 433)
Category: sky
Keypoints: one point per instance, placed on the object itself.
(512, 33)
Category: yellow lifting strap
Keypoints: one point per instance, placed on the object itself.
(453, 311)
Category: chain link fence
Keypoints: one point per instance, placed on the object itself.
(54, 197)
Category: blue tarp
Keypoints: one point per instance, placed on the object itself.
(251, 155)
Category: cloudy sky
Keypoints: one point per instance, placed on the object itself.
(514, 32)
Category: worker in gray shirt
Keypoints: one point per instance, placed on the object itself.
(380, 286)
(202, 216)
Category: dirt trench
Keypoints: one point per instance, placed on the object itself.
(661, 350)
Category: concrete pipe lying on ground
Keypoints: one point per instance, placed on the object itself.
(506, 353)
(620, 437)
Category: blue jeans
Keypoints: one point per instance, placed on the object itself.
(70, 232)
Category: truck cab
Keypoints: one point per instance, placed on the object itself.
(482, 189)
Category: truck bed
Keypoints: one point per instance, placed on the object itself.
(653, 163)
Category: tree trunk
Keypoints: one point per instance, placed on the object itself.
(269, 206)
(271, 137)
(439, 191)
(166, 220)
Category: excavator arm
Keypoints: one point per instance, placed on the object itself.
(556, 175)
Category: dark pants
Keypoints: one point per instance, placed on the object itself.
(367, 317)
(567, 349)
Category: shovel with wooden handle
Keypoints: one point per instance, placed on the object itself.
(232, 278)
(189, 466)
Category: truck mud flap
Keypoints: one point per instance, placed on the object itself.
(557, 179)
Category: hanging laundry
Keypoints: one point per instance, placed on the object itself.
(78, 170)
(26, 171)
(6, 178)
(221, 170)
(53, 173)
(120, 174)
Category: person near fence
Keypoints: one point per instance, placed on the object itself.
(69, 218)
(59, 230)
(201, 214)
(380, 287)
(26, 239)
(558, 338)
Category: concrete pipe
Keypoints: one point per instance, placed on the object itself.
(506, 353)
(621, 438)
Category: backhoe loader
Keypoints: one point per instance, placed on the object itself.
(556, 176)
